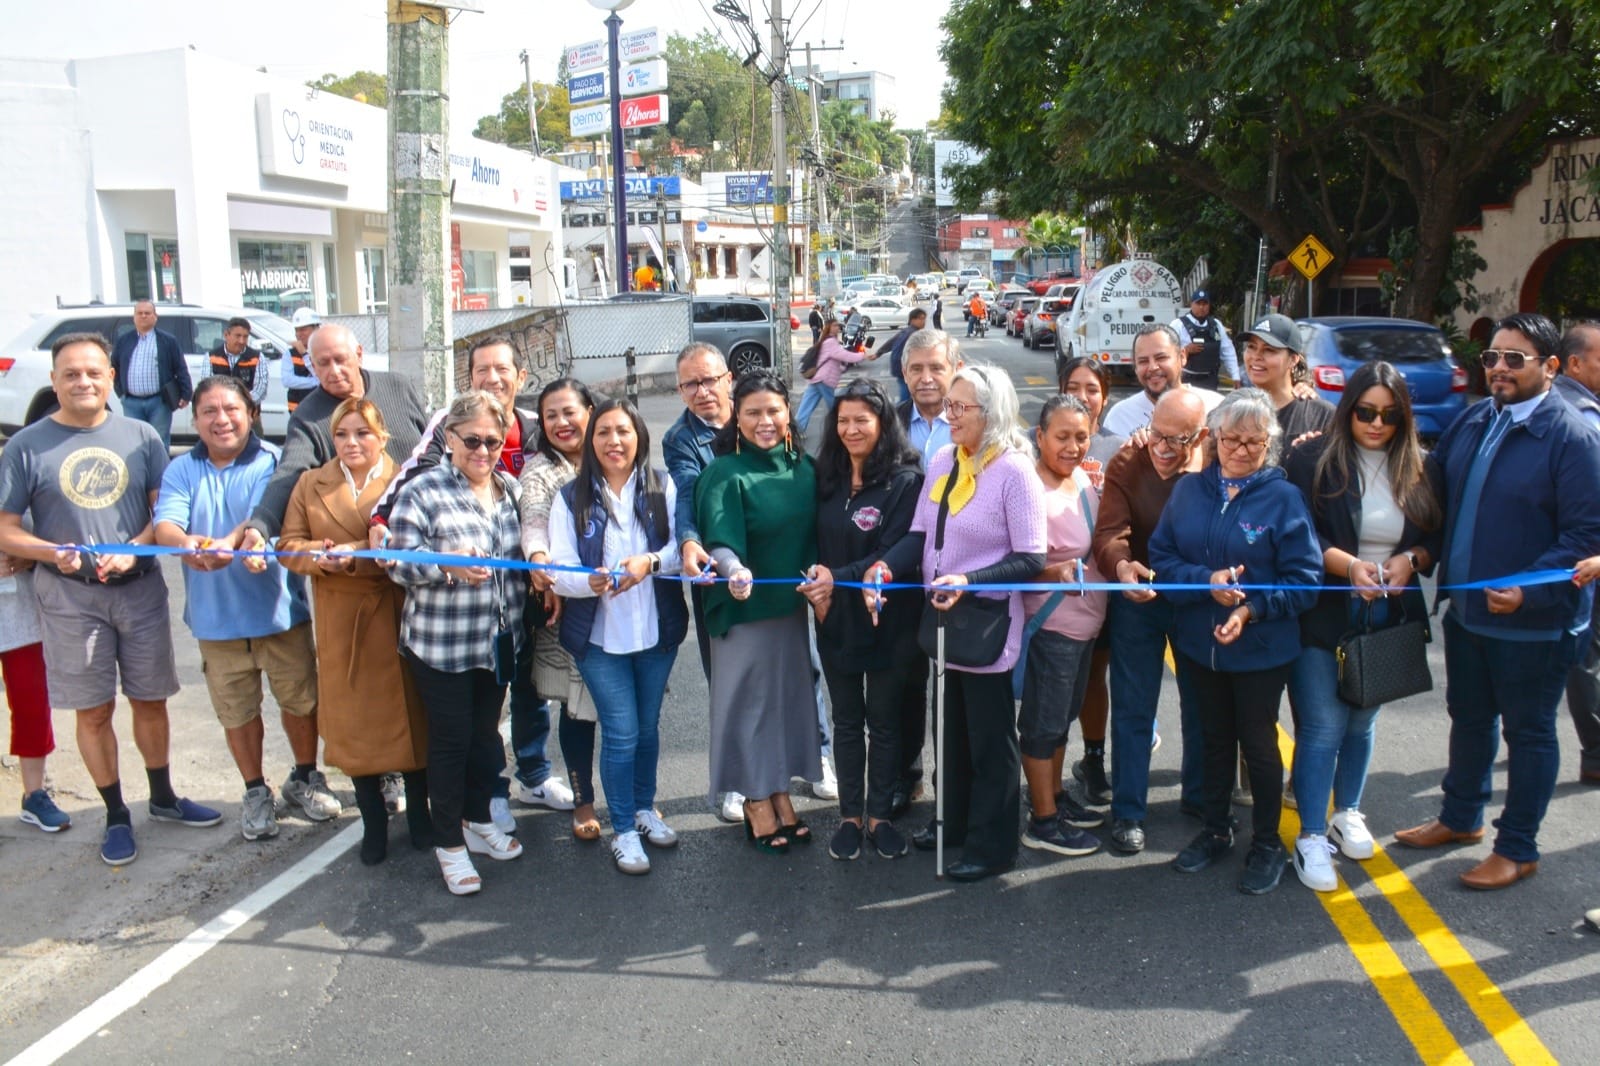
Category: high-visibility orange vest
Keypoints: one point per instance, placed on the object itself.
(244, 369)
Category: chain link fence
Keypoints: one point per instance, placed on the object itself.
(585, 340)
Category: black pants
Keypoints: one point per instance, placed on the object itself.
(913, 720)
(1239, 714)
(866, 736)
(982, 766)
(465, 754)
(1583, 699)
(702, 636)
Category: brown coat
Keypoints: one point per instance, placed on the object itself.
(368, 713)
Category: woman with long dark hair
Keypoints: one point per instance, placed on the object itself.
(621, 626)
(1379, 521)
(565, 409)
(867, 480)
(756, 505)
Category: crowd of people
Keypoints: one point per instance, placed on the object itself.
(1252, 533)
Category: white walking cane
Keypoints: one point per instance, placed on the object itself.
(938, 750)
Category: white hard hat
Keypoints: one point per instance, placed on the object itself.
(305, 316)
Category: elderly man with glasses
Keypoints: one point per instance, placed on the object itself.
(1138, 483)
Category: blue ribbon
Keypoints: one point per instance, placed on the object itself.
(427, 558)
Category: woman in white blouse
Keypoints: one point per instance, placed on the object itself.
(621, 625)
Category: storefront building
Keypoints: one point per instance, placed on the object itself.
(188, 178)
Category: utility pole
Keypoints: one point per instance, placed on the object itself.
(533, 110)
(419, 197)
(815, 81)
(661, 227)
(782, 254)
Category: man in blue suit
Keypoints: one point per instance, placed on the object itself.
(152, 378)
(1518, 472)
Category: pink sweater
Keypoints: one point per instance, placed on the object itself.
(832, 360)
(1006, 514)
(1077, 617)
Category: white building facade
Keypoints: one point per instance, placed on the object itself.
(188, 178)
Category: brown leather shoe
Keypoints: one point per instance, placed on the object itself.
(1433, 834)
(1497, 871)
(1589, 777)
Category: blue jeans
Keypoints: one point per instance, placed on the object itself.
(1332, 744)
(627, 691)
(151, 409)
(1138, 649)
(819, 692)
(1519, 685)
(816, 394)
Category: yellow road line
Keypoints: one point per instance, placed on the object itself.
(1034, 380)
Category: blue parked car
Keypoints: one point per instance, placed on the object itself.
(1335, 346)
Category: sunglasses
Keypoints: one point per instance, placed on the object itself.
(472, 442)
(1367, 414)
(1514, 359)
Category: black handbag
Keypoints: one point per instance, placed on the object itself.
(1383, 665)
(975, 628)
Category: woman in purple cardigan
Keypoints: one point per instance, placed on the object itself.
(994, 534)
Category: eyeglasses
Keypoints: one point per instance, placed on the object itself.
(1171, 440)
(1367, 414)
(1243, 444)
(957, 409)
(689, 388)
(1515, 360)
(472, 442)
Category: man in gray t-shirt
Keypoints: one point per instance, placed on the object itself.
(86, 477)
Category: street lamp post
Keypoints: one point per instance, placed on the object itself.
(619, 193)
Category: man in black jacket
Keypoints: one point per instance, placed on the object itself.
(151, 376)
(914, 321)
(1579, 384)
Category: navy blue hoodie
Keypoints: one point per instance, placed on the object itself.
(1267, 530)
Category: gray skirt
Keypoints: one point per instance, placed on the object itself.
(763, 708)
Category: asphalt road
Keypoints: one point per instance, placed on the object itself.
(722, 954)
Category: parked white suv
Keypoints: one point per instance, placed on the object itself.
(25, 393)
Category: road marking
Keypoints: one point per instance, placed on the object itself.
(164, 967)
(1420, 1022)
(1033, 379)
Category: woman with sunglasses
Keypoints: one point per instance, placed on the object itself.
(867, 480)
(993, 532)
(621, 626)
(756, 506)
(1088, 380)
(1238, 523)
(461, 627)
(565, 408)
(1379, 522)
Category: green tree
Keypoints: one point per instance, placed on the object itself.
(509, 125)
(364, 85)
(1367, 117)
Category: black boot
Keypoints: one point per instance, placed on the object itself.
(418, 819)
(374, 819)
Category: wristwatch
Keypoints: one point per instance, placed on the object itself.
(1411, 557)
(655, 563)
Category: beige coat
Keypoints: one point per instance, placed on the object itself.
(368, 713)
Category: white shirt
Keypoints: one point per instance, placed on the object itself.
(350, 479)
(1133, 412)
(1382, 521)
(624, 623)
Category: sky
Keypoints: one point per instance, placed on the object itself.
(302, 40)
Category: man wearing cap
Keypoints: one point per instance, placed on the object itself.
(151, 377)
(1206, 344)
(1271, 348)
(297, 376)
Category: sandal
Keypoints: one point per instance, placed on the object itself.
(482, 838)
(797, 831)
(773, 843)
(585, 827)
(460, 876)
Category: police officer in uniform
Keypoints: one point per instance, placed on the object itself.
(298, 378)
(1206, 343)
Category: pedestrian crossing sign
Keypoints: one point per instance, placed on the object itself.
(1311, 257)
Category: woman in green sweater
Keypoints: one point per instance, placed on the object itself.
(756, 508)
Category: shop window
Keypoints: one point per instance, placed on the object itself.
(275, 275)
(481, 284)
(138, 266)
(730, 262)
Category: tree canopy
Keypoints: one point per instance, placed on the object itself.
(366, 86)
(1204, 123)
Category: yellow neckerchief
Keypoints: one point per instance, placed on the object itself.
(966, 475)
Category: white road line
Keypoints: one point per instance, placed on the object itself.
(170, 963)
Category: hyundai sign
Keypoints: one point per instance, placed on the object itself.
(600, 188)
(586, 88)
(749, 188)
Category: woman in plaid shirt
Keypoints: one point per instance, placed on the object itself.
(459, 633)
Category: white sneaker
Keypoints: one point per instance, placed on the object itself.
(551, 793)
(1313, 863)
(656, 831)
(629, 854)
(1348, 829)
(500, 814)
(828, 787)
(483, 838)
(732, 809)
